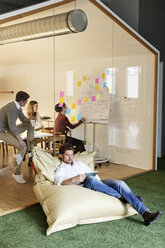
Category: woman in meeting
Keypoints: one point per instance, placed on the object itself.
(33, 114)
(63, 125)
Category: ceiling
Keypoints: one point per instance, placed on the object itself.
(11, 5)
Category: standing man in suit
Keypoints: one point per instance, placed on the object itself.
(10, 132)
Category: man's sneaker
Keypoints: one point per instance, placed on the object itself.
(150, 217)
(19, 178)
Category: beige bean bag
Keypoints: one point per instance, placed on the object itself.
(71, 205)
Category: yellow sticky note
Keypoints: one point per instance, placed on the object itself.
(107, 89)
(103, 75)
(84, 78)
(98, 96)
(61, 99)
(73, 105)
(96, 87)
(73, 119)
(85, 99)
(79, 83)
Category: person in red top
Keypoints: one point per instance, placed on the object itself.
(63, 125)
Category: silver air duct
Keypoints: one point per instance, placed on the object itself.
(73, 21)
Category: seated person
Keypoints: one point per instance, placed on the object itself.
(10, 132)
(33, 114)
(62, 124)
(73, 172)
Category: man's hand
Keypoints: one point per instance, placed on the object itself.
(79, 178)
(74, 180)
(22, 144)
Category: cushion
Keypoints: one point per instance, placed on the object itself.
(87, 158)
(69, 205)
(45, 163)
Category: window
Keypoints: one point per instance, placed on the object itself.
(69, 83)
(132, 82)
(111, 80)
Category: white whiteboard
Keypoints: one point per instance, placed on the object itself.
(97, 106)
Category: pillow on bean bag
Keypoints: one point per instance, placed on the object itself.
(45, 163)
(86, 157)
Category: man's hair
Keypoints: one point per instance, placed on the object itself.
(66, 147)
(21, 96)
(59, 109)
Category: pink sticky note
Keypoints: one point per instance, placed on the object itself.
(61, 93)
(79, 102)
(96, 80)
(93, 98)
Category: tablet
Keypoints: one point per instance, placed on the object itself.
(93, 173)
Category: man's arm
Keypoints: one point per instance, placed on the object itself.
(26, 119)
(74, 180)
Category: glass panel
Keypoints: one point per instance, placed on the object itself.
(106, 75)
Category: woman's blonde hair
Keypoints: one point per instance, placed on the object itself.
(30, 110)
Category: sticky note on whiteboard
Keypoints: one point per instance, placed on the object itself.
(72, 119)
(79, 117)
(103, 75)
(61, 99)
(96, 87)
(98, 96)
(68, 111)
(96, 80)
(79, 102)
(85, 99)
(73, 105)
(61, 93)
(93, 98)
(79, 83)
(84, 78)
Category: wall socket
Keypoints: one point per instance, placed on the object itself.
(124, 149)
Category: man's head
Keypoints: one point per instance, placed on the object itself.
(21, 98)
(67, 153)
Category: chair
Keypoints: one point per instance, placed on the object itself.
(53, 143)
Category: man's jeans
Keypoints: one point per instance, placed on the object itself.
(116, 188)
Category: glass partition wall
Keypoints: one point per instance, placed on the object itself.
(103, 74)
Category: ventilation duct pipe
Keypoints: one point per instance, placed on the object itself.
(73, 21)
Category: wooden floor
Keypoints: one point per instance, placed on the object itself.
(14, 197)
